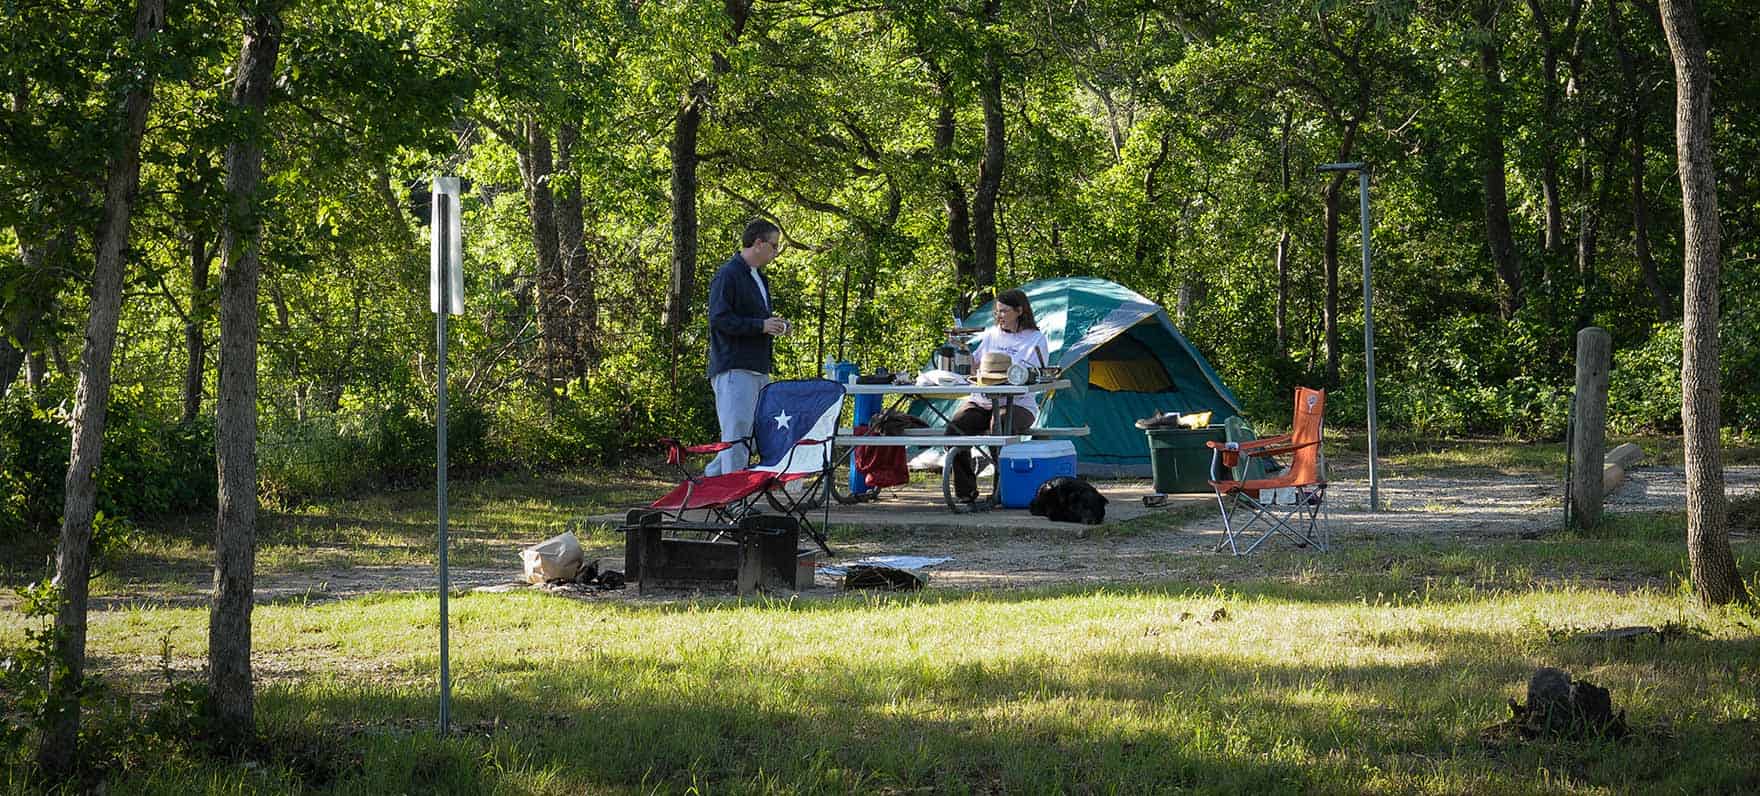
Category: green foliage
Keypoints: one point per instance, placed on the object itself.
(152, 467)
(344, 453)
(1166, 148)
(25, 671)
(33, 468)
(1644, 386)
(108, 731)
(113, 736)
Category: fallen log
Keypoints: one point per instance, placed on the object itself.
(1614, 467)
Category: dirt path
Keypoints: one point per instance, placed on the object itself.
(1437, 507)
(1448, 508)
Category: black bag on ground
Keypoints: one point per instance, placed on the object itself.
(1066, 499)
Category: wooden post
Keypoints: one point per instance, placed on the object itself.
(1594, 352)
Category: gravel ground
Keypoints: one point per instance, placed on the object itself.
(1437, 507)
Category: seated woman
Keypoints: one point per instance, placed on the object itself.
(1017, 335)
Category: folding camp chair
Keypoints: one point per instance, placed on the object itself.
(1291, 503)
(792, 429)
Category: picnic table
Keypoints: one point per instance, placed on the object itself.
(1003, 394)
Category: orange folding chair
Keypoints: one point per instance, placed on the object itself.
(1291, 503)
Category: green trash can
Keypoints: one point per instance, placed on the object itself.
(1179, 459)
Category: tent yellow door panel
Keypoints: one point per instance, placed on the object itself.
(1128, 375)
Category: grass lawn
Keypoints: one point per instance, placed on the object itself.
(1370, 669)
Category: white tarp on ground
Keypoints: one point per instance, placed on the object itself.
(896, 562)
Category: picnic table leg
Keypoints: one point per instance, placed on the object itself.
(996, 452)
(947, 479)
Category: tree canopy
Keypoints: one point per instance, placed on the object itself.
(918, 156)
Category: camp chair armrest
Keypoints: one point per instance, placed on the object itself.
(1250, 445)
(1280, 450)
(676, 450)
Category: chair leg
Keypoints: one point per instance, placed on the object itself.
(1227, 526)
(1303, 523)
(1230, 504)
(792, 507)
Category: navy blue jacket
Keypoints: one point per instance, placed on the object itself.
(736, 320)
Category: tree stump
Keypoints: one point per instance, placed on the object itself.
(1562, 707)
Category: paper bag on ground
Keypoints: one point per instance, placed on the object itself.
(556, 558)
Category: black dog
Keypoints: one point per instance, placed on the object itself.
(1066, 499)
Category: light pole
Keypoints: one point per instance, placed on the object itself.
(1362, 170)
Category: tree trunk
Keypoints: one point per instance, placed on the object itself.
(15, 339)
(1641, 224)
(194, 342)
(577, 264)
(1549, 117)
(1497, 225)
(1283, 241)
(1330, 250)
(953, 195)
(36, 371)
(1549, 153)
(235, 435)
(537, 167)
(1589, 231)
(59, 749)
(1638, 114)
(989, 186)
(683, 285)
(1710, 559)
(394, 208)
(1146, 230)
(12, 356)
(686, 126)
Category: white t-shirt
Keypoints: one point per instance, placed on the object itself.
(1027, 347)
(762, 291)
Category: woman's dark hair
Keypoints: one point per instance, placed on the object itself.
(1017, 299)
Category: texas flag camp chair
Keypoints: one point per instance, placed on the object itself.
(1291, 503)
(792, 429)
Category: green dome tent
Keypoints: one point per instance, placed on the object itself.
(1124, 360)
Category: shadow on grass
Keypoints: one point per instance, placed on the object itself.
(1131, 721)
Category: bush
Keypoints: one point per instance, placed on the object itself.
(33, 468)
(1644, 387)
(347, 452)
(621, 409)
(151, 465)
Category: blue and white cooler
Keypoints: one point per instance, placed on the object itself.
(1026, 465)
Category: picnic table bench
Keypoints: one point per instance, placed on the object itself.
(938, 437)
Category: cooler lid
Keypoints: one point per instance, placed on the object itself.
(1039, 449)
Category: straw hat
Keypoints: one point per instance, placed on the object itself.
(993, 368)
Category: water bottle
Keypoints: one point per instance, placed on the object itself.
(829, 370)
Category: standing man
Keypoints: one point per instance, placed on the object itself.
(742, 329)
